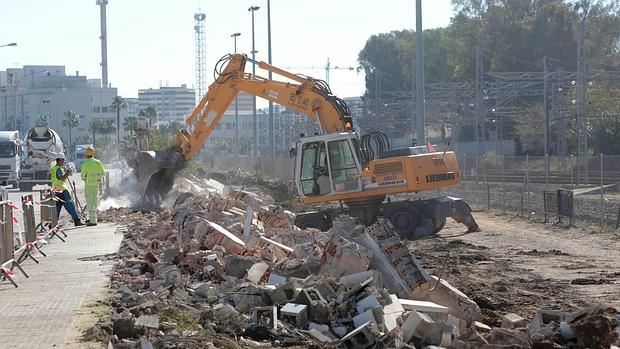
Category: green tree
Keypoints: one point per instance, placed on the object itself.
(71, 121)
(42, 120)
(128, 125)
(118, 104)
(95, 126)
(223, 146)
(158, 140)
(151, 113)
(170, 128)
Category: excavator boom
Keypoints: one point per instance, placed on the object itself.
(156, 170)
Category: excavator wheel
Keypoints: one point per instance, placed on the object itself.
(405, 220)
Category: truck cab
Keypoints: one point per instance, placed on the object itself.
(80, 155)
(10, 152)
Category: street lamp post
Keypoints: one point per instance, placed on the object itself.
(255, 128)
(237, 148)
(11, 44)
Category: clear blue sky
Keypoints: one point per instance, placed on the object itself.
(152, 41)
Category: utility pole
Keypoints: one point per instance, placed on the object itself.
(104, 43)
(546, 108)
(237, 147)
(582, 137)
(478, 103)
(419, 71)
(272, 143)
(254, 120)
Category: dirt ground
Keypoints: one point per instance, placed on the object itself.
(514, 265)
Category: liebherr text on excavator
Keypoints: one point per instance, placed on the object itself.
(337, 166)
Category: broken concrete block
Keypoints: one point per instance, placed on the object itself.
(285, 293)
(148, 321)
(295, 314)
(367, 303)
(171, 254)
(389, 274)
(325, 289)
(421, 326)
(318, 308)
(223, 311)
(423, 306)
(323, 337)
(447, 335)
(509, 337)
(395, 307)
(364, 317)
(266, 317)
(342, 257)
(248, 296)
(237, 266)
(544, 317)
(359, 338)
(512, 321)
(256, 272)
(460, 326)
(276, 280)
(444, 294)
(124, 328)
(357, 278)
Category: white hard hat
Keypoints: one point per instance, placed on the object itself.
(60, 156)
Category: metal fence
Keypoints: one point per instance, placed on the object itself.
(516, 185)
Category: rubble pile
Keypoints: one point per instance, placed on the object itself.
(226, 268)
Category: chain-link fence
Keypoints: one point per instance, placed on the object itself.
(516, 185)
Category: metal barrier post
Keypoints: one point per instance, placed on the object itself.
(503, 185)
(547, 166)
(30, 230)
(29, 220)
(602, 202)
(529, 197)
(6, 244)
(49, 219)
(618, 219)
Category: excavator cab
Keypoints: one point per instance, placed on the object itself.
(328, 165)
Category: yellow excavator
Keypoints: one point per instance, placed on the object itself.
(337, 165)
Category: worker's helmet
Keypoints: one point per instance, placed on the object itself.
(90, 151)
(60, 156)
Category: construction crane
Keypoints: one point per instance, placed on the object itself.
(328, 67)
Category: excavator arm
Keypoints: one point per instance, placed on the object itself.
(306, 95)
(156, 170)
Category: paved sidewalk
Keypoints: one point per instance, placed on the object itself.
(40, 312)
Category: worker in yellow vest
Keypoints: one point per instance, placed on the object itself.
(59, 176)
(93, 174)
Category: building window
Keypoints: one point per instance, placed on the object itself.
(218, 126)
(96, 109)
(104, 109)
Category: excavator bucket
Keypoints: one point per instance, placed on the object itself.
(156, 171)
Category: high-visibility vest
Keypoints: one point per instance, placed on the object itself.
(92, 172)
(57, 183)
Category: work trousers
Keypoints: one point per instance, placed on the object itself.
(68, 204)
(91, 193)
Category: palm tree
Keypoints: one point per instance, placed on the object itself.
(117, 104)
(41, 120)
(151, 113)
(94, 127)
(107, 127)
(71, 121)
(128, 124)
